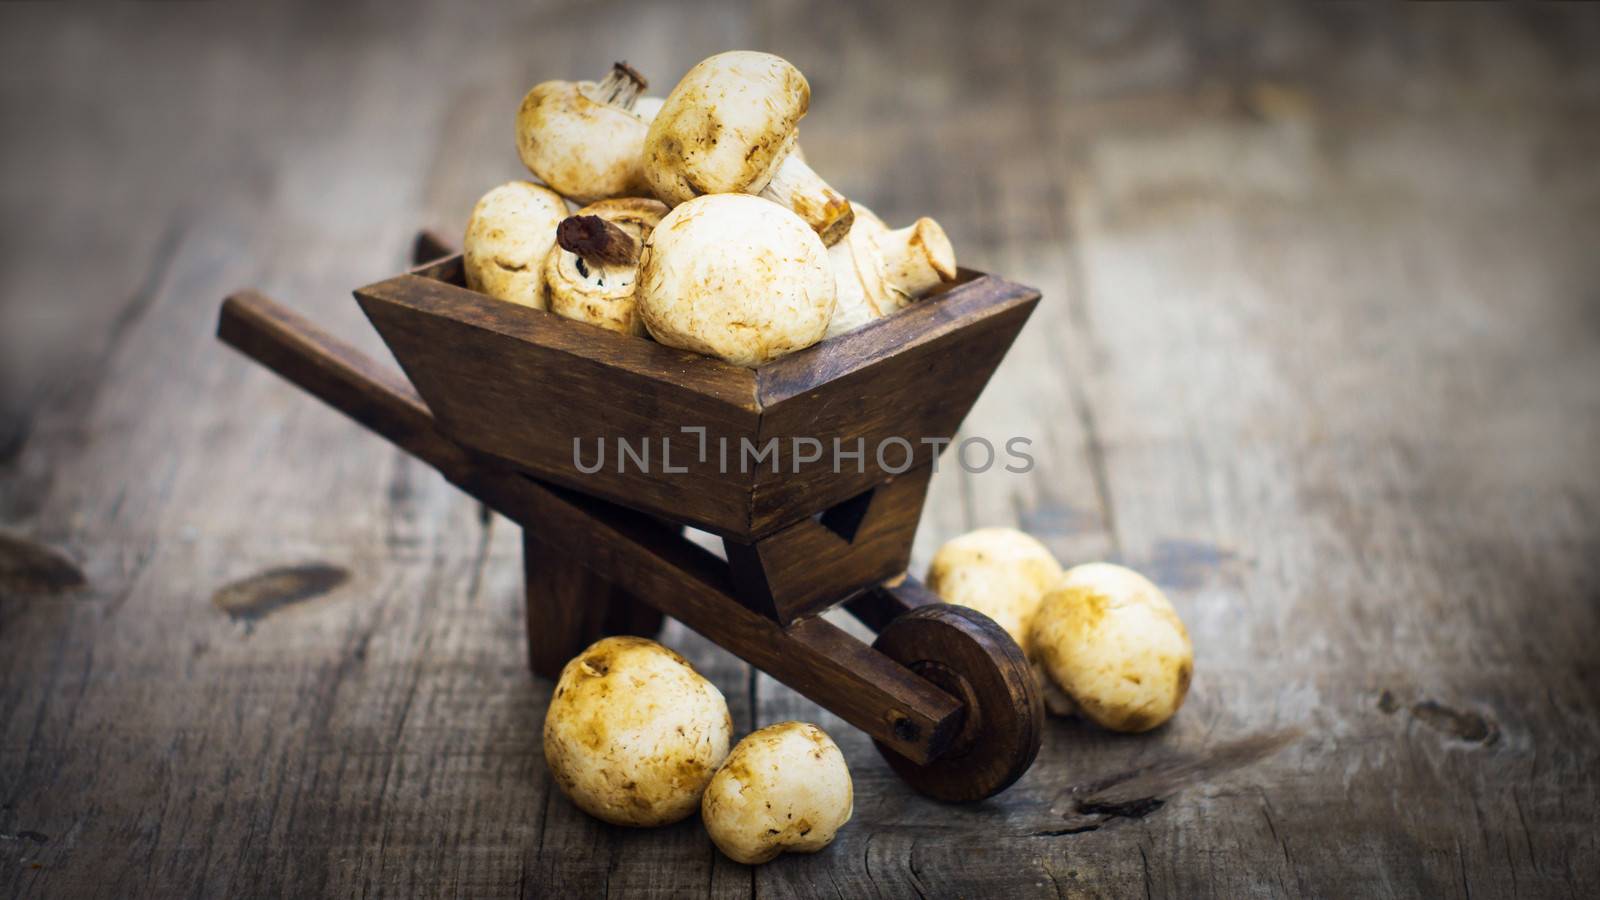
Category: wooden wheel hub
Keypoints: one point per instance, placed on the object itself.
(953, 683)
(966, 655)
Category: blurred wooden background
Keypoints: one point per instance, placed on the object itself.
(1320, 351)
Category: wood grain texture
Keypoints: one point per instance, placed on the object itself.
(687, 437)
(862, 541)
(1317, 352)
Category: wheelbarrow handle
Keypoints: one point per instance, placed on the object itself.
(337, 373)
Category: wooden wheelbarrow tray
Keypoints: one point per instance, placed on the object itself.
(503, 393)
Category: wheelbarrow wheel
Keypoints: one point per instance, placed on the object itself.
(965, 654)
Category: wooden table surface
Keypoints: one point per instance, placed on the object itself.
(1319, 351)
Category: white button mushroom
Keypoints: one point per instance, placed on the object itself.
(1000, 572)
(881, 270)
(647, 108)
(633, 733)
(582, 138)
(730, 127)
(508, 237)
(735, 277)
(591, 273)
(785, 788)
(1113, 643)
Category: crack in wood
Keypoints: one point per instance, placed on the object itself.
(1463, 725)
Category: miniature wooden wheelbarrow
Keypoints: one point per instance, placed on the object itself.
(516, 404)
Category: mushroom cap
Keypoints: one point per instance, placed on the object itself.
(511, 231)
(783, 788)
(1111, 640)
(857, 273)
(633, 734)
(599, 293)
(736, 277)
(725, 127)
(999, 572)
(647, 108)
(581, 147)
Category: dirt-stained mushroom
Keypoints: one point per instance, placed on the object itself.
(508, 237)
(1000, 572)
(1109, 639)
(633, 733)
(730, 126)
(591, 273)
(582, 138)
(736, 277)
(880, 270)
(785, 788)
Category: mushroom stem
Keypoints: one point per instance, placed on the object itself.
(799, 188)
(621, 86)
(917, 258)
(597, 240)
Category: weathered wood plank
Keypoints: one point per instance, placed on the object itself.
(1317, 351)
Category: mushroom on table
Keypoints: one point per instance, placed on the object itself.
(1111, 641)
(634, 733)
(784, 788)
(730, 126)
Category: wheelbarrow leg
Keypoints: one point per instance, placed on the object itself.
(569, 607)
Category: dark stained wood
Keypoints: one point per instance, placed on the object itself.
(337, 373)
(877, 606)
(448, 269)
(522, 384)
(968, 656)
(570, 607)
(819, 561)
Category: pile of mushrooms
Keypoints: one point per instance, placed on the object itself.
(700, 225)
(635, 736)
(1105, 642)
